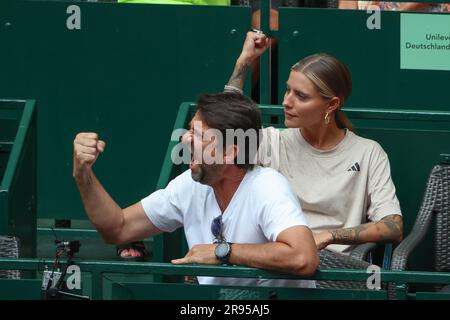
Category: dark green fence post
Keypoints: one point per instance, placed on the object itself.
(264, 64)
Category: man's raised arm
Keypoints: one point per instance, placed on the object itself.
(114, 224)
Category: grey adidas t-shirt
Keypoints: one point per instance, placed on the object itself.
(338, 188)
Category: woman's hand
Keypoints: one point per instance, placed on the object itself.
(323, 239)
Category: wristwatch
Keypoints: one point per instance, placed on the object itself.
(223, 251)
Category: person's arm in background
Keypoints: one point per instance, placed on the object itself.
(256, 19)
(345, 4)
(254, 45)
(388, 229)
(115, 225)
(414, 6)
(404, 6)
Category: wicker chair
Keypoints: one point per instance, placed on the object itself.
(9, 248)
(435, 202)
(333, 260)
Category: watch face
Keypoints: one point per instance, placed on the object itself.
(222, 249)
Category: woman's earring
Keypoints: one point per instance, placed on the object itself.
(327, 118)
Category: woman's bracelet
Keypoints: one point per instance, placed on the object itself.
(229, 88)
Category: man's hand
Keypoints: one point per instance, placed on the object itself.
(254, 46)
(201, 254)
(323, 239)
(86, 148)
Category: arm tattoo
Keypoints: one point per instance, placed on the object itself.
(343, 236)
(388, 229)
(350, 235)
(359, 229)
(238, 77)
(394, 226)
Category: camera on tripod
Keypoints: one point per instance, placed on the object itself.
(68, 247)
(53, 283)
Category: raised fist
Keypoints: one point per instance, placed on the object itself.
(86, 148)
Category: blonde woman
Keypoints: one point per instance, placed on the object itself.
(343, 181)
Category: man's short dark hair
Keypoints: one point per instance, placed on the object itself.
(229, 110)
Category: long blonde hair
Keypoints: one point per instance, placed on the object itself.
(331, 78)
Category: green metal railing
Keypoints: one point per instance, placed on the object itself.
(98, 268)
(381, 121)
(18, 181)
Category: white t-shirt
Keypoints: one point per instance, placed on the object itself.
(338, 188)
(262, 207)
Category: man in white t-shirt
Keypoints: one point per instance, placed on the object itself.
(231, 211)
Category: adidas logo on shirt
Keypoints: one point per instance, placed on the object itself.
(355, 167)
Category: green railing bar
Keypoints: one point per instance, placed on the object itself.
(167, 167)
(180, 122)
(418, 115)
(15, 156)
(67, 231)
(229, 271)
(73, 232)
(366, 113)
